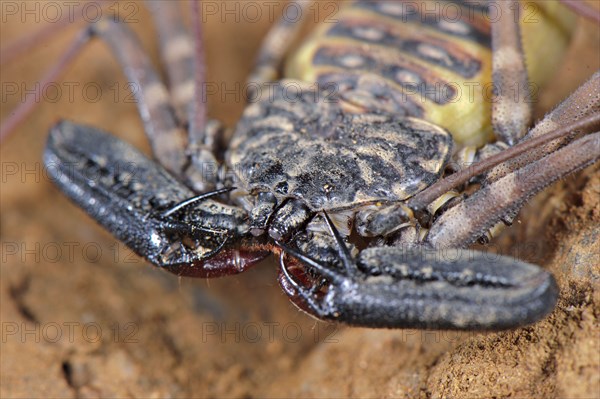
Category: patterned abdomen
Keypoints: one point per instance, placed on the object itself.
(426, 59)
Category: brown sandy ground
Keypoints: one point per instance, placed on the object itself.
(82, 317)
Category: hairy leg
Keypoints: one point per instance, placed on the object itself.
(466, 222)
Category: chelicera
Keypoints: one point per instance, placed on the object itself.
(354, 198)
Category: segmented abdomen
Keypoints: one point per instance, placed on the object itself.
(426, 59)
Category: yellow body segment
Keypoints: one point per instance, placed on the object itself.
(433, 49)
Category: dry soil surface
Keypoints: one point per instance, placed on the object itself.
(83, 317)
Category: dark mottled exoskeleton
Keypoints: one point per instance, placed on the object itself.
(344, 180)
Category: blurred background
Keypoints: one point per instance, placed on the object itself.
(82, 316)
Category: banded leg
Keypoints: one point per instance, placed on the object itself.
(167, 139)
(511, 110)
(509, 69)
(511, 183)
(511, 116)
(276, 44)
(511, 107)
(584, 102)
(177, 53)
(183, 57)
(461, 225)
(579, 113)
